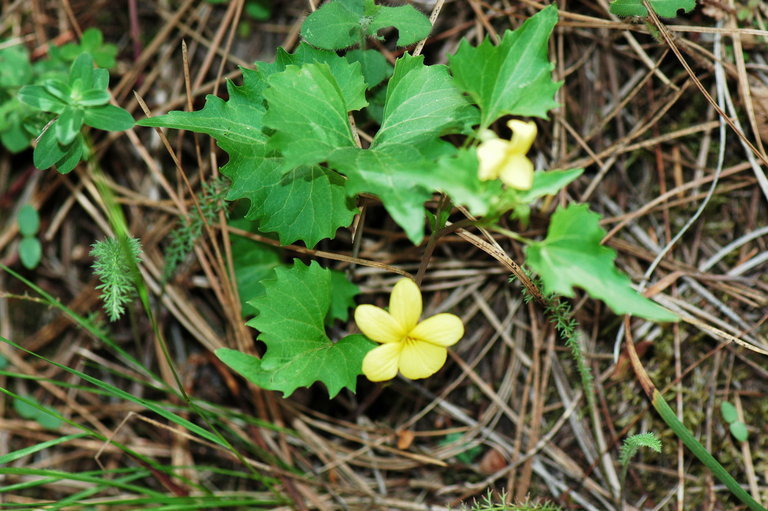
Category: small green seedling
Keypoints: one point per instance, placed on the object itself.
(30, 248)
(731, 416)
(81, 99)
(116, 264)
(500, 502)
(91, 42)
(468, 454)
(630, 447)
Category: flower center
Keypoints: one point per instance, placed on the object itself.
(408, 340)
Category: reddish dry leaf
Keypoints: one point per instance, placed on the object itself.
(492, 462)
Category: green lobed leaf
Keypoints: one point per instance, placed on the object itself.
(343, 293)
(344, 70)
(394, 172)
(49, 152)
(236, 124)
(457, 176)
(374, 65)
(73, 153)
(28, 220)
(412, 26)
(340, 24)
(92, 42)
(93, 97)
(30, 252)
(253, 262)
(422, 103)
(309, 204)
(14, 137)
(513, 78)
(82, 75)
(664, 8)
(571, 255)
(335, 25)
(291, 322)
(548, 183)
(308, 111)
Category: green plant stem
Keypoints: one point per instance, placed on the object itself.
(510, 234)
(682, 432)
(433, 237)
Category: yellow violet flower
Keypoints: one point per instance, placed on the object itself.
(416, 349)
(506, 159)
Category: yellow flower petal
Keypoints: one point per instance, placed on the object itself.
(380, 364)
(441, 329)
(517, 172)
(420, 359)
(523, 134)
(377, 324)
(491, 155)
(405, 304)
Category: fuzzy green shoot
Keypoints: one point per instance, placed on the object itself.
(115, 263)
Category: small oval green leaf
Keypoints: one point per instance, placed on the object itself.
(108, 118)
(739, 431)
(729, 412)
(30, 252)
(29, 220)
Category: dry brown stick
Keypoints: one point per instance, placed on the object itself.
(505, 260)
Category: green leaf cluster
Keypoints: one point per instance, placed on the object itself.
(292, 150)
(292, 315)
(289, 131)
(21, 123)
(81, 99)
(30, 248)
(92, 43)
(181, 240)
(15, 117)
(664, 8)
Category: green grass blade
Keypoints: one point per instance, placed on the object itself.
(15, 455)
(698, 450)
(121, 394)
